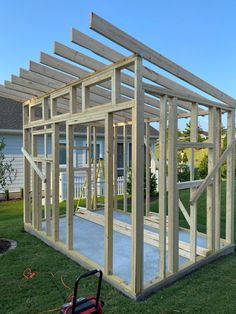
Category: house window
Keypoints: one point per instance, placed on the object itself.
(97, 152)
(62, 154)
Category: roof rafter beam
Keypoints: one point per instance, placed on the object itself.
(49, 72)
(123, 39)
(160, 91)
(21, 95)
(78, 72)
(28, 83)
(93, 64)
(110, 54)
(31, 92)
(10, 96)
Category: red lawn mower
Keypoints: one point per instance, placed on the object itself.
(85, 305)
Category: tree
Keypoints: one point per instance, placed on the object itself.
(187, 131)
(182, 157)
(153, 183)
(7, 172)
(203, 167)
(182, 167)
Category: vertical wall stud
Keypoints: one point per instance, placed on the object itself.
(55, 181)
(193, 208)
(108, 227)
(147, 168)
(115, 167)
(26, 141)
(35, 195)
(211, 188)
(48, 199)
(115, 81)
(125, 165)
(39, 183)
(162, 185)
(88, 172)
(217, 179)
(173, 209)
(70, 185)
(94, 168)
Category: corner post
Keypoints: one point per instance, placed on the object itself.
(137, 181)
(230, 179)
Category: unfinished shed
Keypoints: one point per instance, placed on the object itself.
(139, 249)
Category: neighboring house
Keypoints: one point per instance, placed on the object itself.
(11, 131)
(204, 135)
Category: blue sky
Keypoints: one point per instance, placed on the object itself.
(199, 35)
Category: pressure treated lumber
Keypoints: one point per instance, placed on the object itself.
(147, 167)
(55, 182)
(26, 167)
(162, 185)
(210, 175)
(108, 228)
(94, 94)
(173, 213)
(150, 237)
(93, 64)
(70, 186)
(230, 177)
(110, 54)
(118, 36)
(193, 208)
(125, 166)
(218, 127)
(33, 164)
(137, 183)
(115, 166)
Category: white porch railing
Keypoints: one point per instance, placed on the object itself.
(79, 185)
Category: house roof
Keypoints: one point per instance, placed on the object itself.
(11, 119)
(10, 114)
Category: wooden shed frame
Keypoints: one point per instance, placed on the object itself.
(126, 92)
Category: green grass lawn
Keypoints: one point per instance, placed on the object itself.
(211, 289)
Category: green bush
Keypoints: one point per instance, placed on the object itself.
(153, 183)
(183, 173)
(203, 167)
(22, 193)
(7, 196)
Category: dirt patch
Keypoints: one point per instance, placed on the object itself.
(6, 244)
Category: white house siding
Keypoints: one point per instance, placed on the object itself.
(11, 151)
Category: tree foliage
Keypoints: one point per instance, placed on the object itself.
(153, 183)
(187, 131)
(7, 172)
(203, 167)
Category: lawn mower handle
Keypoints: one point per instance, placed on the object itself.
(90, 273)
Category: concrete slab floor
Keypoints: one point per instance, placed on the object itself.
(89, 241)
